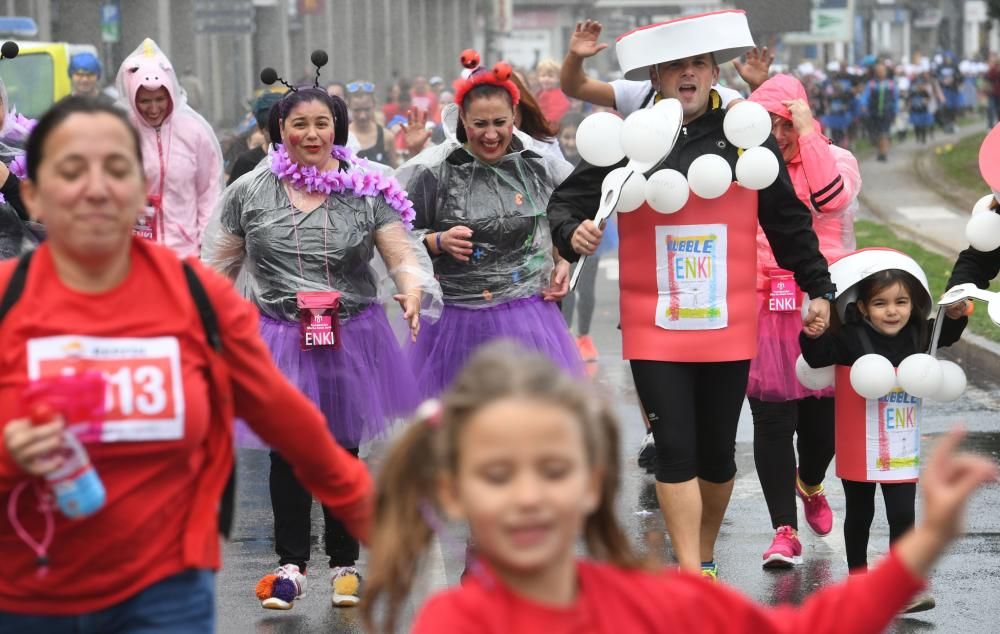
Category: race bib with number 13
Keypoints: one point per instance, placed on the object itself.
(144, 399)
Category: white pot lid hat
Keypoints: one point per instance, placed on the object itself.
(725, 34)
(854, 267)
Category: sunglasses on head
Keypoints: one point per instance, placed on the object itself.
(360, 86)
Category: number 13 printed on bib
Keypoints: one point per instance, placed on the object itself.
(145, 396)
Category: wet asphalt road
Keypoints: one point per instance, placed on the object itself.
(966, 583)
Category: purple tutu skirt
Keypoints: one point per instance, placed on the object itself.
(360, 388)
(442, 348)
(772, 371)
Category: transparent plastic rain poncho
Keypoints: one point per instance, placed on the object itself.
(16, 235)
(347, 244)
(504, 204)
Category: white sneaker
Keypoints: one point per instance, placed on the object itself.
(345, 581)
(278, 590)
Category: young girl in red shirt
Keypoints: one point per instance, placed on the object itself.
(528, 458)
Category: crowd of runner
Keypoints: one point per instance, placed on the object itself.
(357, 250)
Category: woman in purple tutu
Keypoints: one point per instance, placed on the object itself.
(480, 203)
(300, 232)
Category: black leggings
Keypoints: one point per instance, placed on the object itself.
(774, 424)
(292, 506)
(900, 500)
(585, 293)
(693, 410)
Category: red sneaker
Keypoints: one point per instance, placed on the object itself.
(588, 352)
(819, 517)
(785, 550)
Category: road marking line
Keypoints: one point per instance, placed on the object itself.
(748, 487)
(927, 213)
(610, 266)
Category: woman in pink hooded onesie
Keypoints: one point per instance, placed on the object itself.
(827, 179)
(180, 153)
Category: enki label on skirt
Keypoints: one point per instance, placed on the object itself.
(319, 320)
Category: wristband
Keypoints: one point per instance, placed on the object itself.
(437, 241)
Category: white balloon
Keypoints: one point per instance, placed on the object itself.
(813, 378)
(872, 376)
(983, 204)
(710, 176)
(983, 232)
(633, 192)
(952, 382)
(920, 375)
(667, 191)
(747, 124)
(757, 168)
(598, 139)
(646, 136)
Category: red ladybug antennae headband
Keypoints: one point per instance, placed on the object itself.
(499, 75)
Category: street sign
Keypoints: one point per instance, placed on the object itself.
(830, 21)
(18, 27)
(224, 16)
(111, 23)
(976, 12)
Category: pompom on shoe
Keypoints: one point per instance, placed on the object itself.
(279, 590)
(345, 581)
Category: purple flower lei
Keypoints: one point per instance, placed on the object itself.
(357, 181)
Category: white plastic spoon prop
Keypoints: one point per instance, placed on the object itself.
(609, 200)
(672, 110)
(957, 294)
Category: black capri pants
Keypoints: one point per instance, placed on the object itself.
(693, 410)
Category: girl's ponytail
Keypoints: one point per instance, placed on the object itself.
(401, 534)
(602, 532)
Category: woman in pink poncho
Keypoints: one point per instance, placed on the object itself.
(180, 153)
(827, 180)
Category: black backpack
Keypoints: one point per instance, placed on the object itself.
(208, 321)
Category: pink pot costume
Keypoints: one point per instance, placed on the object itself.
(827, 179)
(181, 157)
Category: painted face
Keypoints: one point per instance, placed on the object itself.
(307, 133)
(90, 186)
(889, 309)
(786, 135)
(362, 110)
(548, 80)
(689, 80)
(489, 125)
(84, 83)
(524, 484)
(567, 142)
(153, 105)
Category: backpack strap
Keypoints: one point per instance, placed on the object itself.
(16, 284)
(227, 505)
(205, 310)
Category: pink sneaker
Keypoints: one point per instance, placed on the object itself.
(785, 550)
(819, 517)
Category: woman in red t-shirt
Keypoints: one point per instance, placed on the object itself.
(529, 459)
(95, 298)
